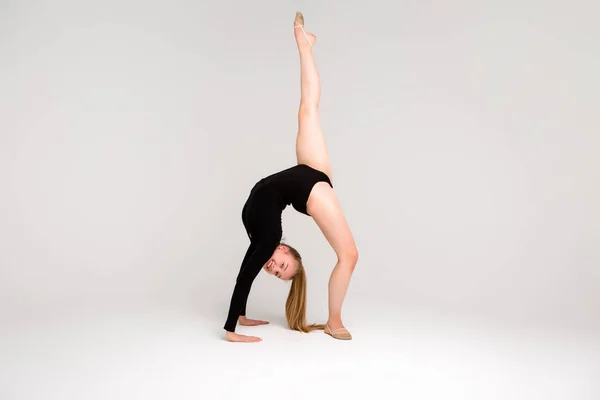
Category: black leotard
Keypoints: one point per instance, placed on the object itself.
(261, 216)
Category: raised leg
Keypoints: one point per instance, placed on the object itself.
(324, 207)
(311, 148)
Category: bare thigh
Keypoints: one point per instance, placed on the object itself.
(311, 148)
(324, 207)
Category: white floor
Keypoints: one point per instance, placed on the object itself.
(178, 355)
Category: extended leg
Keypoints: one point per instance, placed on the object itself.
(311, 148)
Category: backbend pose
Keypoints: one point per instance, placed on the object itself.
(308, 187)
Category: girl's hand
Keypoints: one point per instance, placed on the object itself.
(250, 322)
(235, 337)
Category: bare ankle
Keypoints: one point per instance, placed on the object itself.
(304, 48)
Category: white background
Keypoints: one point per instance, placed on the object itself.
(464, 143)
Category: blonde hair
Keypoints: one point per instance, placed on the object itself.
(295, 306)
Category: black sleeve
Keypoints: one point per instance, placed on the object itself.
(249, 252)
(261, 253)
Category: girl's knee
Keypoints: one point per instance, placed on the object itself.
(349, 257)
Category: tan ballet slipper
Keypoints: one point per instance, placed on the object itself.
(341, 333)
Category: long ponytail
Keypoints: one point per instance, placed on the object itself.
(295, 306)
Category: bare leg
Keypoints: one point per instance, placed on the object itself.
(323, 204)
(324, 207)
(311, 148)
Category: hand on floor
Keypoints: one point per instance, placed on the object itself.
(251, 322)
(235, 337)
